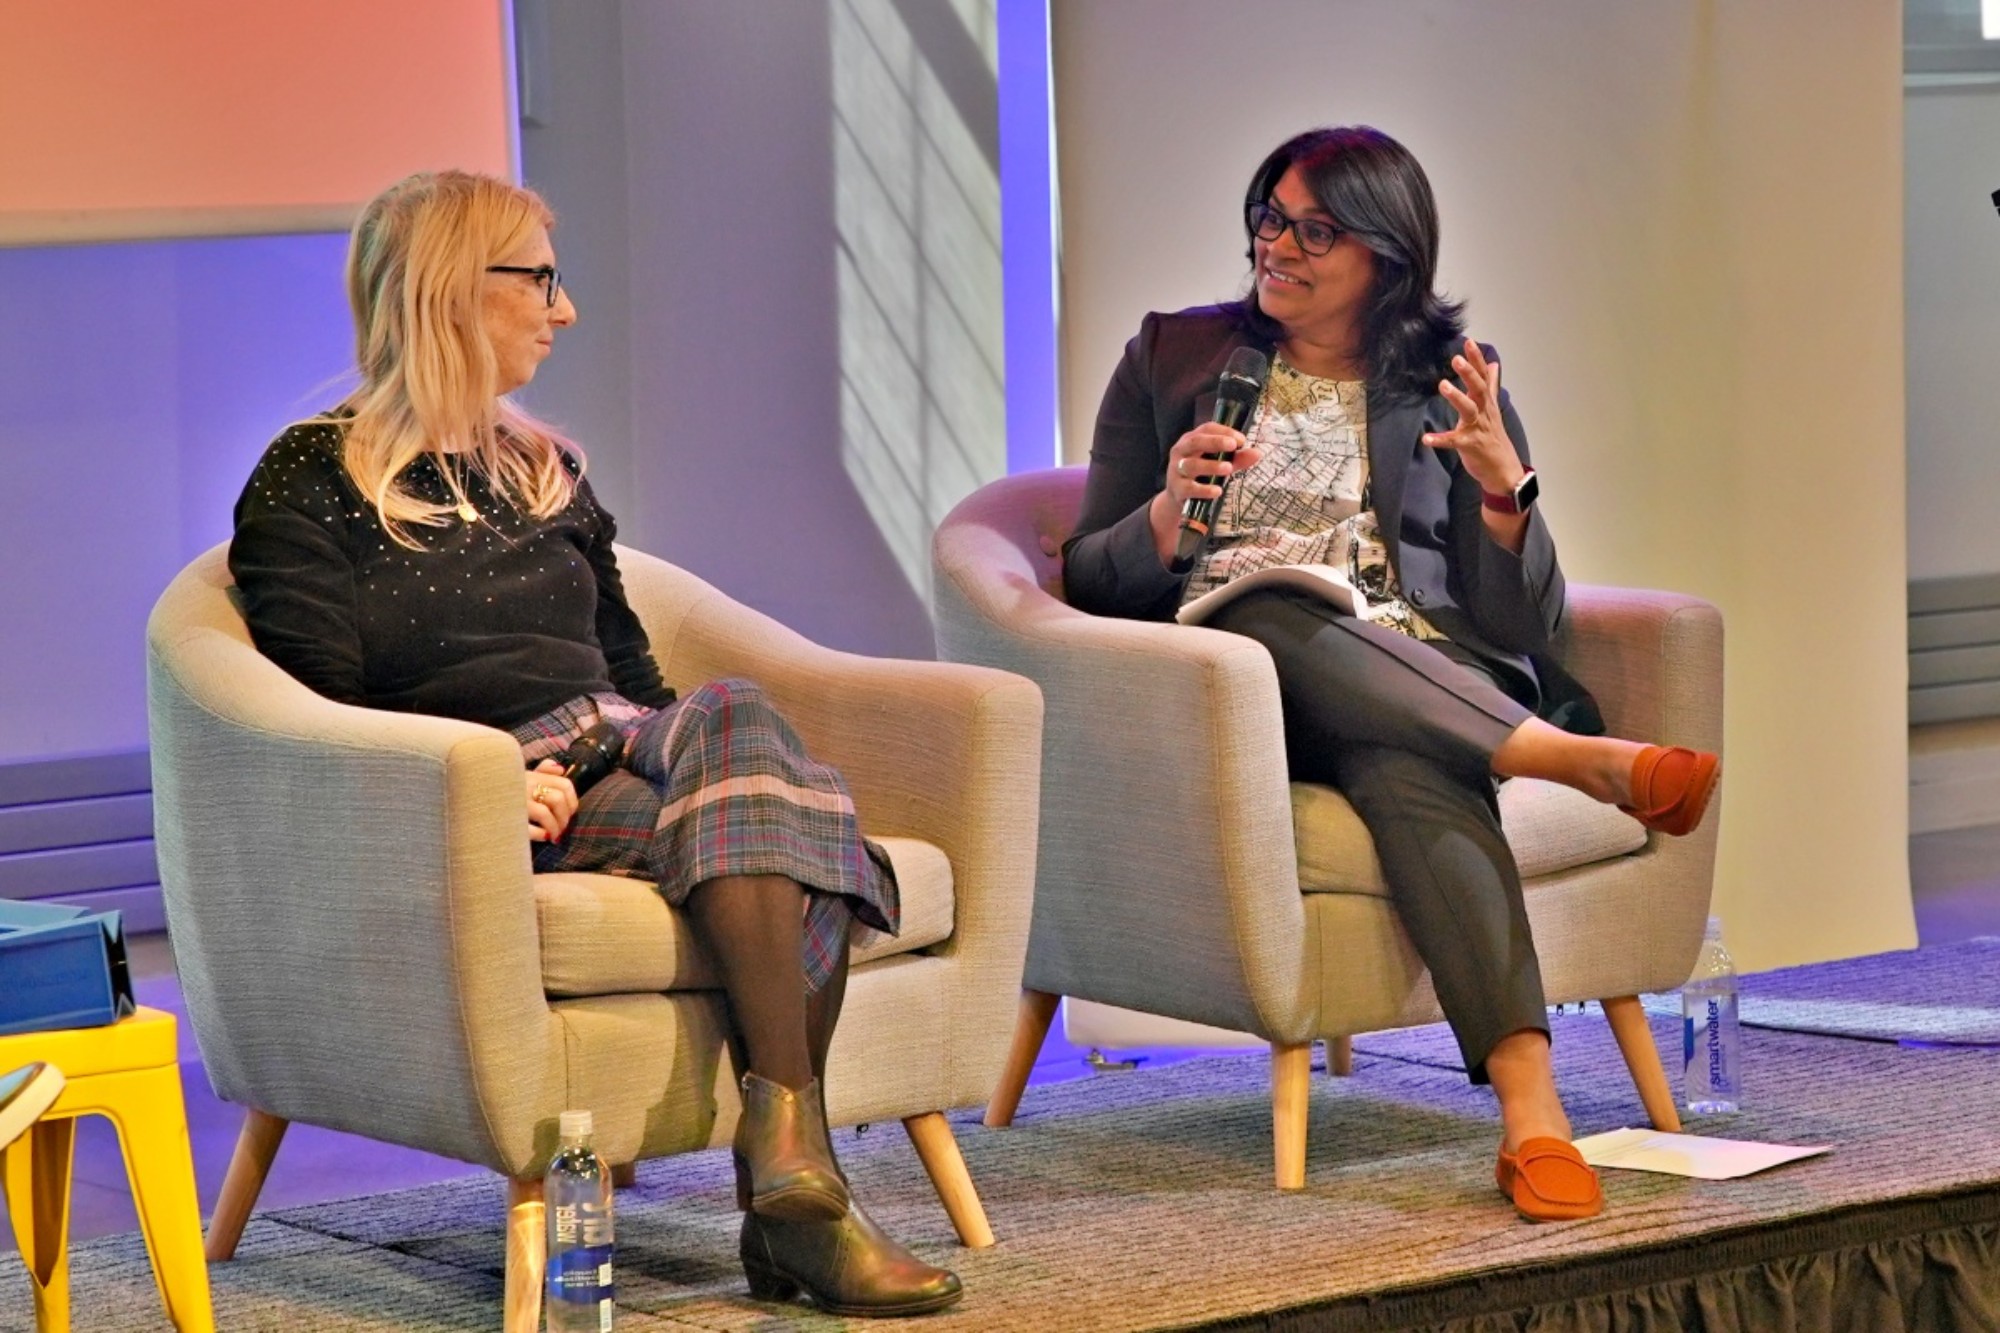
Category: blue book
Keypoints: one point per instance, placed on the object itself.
(61, 967)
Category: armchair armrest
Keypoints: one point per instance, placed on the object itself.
(1654, 662)
(366, 957)
(1652, 659)
(933, 750)
(1168, 878)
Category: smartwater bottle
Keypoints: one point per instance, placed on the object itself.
(1711, 1038)
(577, 1195)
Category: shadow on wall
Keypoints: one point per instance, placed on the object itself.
(917, 211)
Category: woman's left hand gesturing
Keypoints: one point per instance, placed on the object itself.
(1480, 437)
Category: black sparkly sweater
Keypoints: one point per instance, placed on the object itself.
(496, 621)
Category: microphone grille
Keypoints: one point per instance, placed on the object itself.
(1247, 363)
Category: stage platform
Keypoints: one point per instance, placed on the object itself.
(1142, 1200)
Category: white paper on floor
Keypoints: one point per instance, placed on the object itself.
(1687, 1154)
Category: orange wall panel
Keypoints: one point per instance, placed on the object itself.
(135, 118)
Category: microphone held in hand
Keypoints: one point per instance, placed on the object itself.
(592, 755)
(1236, 395)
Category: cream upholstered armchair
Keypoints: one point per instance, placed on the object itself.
(1186, 877)
(362, 946)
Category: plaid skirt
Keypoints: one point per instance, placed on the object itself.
(718, 783)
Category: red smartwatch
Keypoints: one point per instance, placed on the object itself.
(1516, 501)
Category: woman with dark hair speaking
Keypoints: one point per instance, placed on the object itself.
(427, 546)
(1383, 446)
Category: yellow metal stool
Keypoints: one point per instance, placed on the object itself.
(127, 1072)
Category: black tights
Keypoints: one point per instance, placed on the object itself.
(753, 926)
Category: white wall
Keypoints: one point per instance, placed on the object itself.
(690, 150)
(1681, 224)
(573, 152)
(781, 224)
(1952, 288)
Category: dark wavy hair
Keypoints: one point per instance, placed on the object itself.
(1371, 186)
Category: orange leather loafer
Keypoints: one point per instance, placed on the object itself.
(1671, 785)
(1549, 1181)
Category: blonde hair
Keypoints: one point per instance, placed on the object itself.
(416, 263)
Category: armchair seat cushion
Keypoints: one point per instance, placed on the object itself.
(1550, 827)
(612, 935)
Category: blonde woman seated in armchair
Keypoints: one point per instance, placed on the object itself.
(429, 547)
(1381, 445)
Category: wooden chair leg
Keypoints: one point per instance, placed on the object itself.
(930, 1133)
(1340, 1056)
(1291, 1080)
(1642, 1057)
(1031, 1029)
(256, 1145)
(625, 1175)
(527, 1255)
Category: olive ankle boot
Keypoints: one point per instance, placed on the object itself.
(784, 1159)
(849, 1267)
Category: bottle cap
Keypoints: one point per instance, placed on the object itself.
(574, 1124)
(1714, 931)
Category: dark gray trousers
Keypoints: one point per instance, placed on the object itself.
(1406, 730)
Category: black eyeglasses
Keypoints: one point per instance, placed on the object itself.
(1268, 224)
(546, 275)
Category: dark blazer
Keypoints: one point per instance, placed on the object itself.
(1500, 605)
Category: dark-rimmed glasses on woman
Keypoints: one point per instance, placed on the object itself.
(551, 280)
(1266, 223)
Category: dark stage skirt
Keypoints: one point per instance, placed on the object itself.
(717, 783)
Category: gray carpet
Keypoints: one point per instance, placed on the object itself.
(1951, 996)
(1141, 1200)
(1944, 994)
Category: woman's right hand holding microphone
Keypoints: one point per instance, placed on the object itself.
(1193, 476)
(551, 802)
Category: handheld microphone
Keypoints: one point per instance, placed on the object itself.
(1236, 395)
(592, 755)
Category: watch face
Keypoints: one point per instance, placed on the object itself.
(1526, 493)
